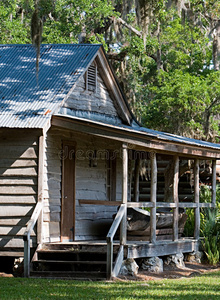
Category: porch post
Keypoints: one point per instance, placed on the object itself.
(123, 226)
(196, 195)
(136, 179)
(153, 197)
(40, 186)
(175, 198)
(213, 182)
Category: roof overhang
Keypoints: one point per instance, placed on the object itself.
(138, 140)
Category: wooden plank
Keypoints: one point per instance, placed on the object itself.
(114, 227)
(175, 198)
(188, 205)
(109, 260)
(9, 162)
(14, 221)
(14, 231)
(18, 190)
(214, 182)
(18, 181)
(15, 242)
(196, 199)
(15, 210)
(153, 197)
(140, 204)
(10, 253)
(24, 199)
(100, 202)
(27, 171)
(162, 248)
(208, 205)
(118, 261)
(18, 151)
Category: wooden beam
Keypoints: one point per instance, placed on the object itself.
(136, 179)
(196, 199)
(153, 197)
(123, 226)
(175, 198)
(214, 182)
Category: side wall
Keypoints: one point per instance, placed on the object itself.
(91, 221)
(18, 187)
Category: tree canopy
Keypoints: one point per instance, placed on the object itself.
(166, 53)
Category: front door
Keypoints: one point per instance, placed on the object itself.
(68, 192)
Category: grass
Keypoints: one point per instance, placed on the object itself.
(200, 287)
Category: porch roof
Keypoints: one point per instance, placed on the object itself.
(140, 137)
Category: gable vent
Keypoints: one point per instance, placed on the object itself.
(91, 78)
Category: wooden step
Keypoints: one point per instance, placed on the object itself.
(69, 274)
(88, 262)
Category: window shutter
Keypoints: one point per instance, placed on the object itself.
(91, 78)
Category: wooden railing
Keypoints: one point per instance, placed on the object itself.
(27, 235)
(120, 217)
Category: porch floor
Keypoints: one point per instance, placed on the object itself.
(138, 249)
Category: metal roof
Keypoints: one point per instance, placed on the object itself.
(28, 100)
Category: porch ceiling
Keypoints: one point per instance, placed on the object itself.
(140, 139)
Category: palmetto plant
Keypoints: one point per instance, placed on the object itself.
(210, 230)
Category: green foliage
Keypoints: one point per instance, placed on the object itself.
(209, 225)
(210, 230)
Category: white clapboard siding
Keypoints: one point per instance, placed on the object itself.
(18, 185)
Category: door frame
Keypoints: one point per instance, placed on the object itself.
(65, 154)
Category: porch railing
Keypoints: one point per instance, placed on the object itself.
(120, 217)
(26, 237)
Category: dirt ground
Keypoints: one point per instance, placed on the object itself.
(191, 269)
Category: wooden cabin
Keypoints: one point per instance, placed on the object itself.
(72, 154)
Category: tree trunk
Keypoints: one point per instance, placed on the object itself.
(216, 46)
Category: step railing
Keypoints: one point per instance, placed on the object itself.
(119, 218)
(27, 235)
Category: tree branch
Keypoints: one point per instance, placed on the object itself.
(121, 21)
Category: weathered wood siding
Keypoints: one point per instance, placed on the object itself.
(91, 221)
(52, 187)
(18, 186)
(99, 102)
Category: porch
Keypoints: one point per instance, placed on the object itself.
(117, 247)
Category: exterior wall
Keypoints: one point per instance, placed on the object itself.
(18, 186)
(98, 105)
(91, 221)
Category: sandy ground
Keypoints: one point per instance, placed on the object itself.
(191, 269)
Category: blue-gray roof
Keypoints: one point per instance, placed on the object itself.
(28, 102)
